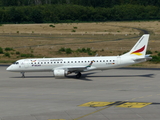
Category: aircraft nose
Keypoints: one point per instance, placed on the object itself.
(9, 68)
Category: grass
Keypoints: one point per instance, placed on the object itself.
(46, 41)
(65, 28)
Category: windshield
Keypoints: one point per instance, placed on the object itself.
(16, 63)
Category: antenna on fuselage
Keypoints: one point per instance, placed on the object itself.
(96, 55)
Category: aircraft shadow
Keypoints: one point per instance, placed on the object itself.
(83, 77)
(34, 77)
(88, 76)
(145, 75)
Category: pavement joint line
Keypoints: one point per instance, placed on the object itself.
(56, 119)
(141, 97)
(91, 113)
(134, 99)
(110, 105)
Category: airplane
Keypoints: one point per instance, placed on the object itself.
(61, 67)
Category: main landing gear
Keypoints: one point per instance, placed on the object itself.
(78, 75)
(23, 76)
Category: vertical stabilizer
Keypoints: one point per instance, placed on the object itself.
(139, 48)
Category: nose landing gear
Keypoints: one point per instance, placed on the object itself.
(23, 76)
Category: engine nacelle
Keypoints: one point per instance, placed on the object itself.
(59, 73)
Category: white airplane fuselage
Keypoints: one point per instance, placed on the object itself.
(48, 64)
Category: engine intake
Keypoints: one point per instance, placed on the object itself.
(60, 73)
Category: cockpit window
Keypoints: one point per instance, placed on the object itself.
(16, 63)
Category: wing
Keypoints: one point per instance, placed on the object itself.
(75, 68)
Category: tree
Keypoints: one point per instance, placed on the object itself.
(1, 50)
(36, 15)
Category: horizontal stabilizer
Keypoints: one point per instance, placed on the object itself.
(143, 59)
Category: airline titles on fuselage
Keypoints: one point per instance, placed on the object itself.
(41, 60)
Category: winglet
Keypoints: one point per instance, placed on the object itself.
(140, 47)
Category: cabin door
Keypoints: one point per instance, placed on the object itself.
(118, 60)
(26, 63)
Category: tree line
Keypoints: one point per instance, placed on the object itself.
(56, 13)
(93, 3)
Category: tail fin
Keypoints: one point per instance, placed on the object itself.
(139, 48)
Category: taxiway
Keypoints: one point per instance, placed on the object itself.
(118, 94)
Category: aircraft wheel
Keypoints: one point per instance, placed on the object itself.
(78, 75)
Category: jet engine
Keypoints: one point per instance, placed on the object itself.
(60, 73)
